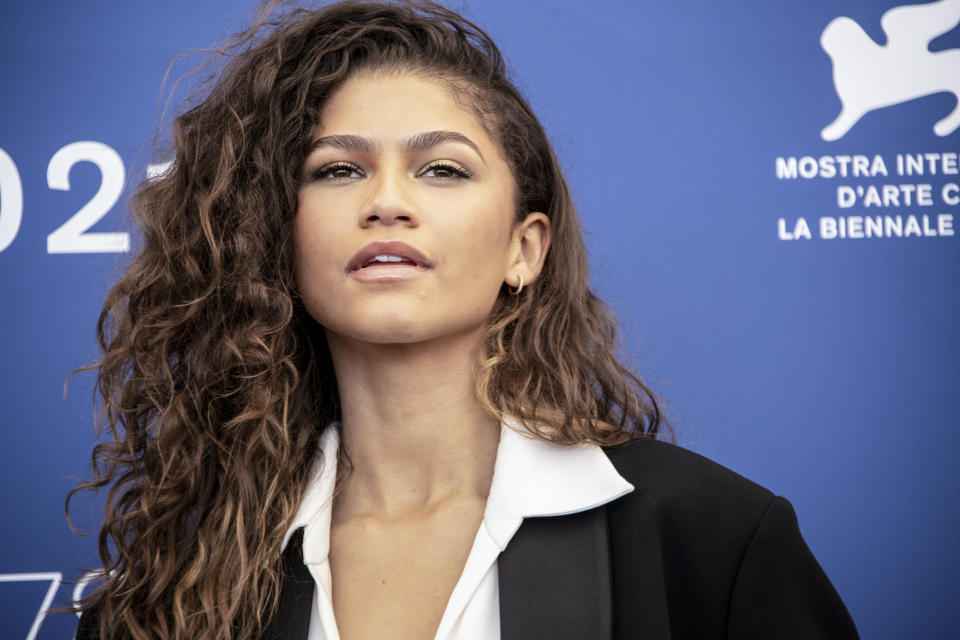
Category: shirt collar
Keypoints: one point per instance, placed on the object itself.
(536, 478)
(316, 506)
(531, 478)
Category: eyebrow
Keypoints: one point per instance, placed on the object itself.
(413, 144)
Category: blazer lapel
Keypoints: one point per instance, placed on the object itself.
(555, 579)
(292, 618)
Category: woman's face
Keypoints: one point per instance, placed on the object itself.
(405, 229)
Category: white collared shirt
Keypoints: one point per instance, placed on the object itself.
(531, 477)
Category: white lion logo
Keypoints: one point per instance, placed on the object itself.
(868, 76)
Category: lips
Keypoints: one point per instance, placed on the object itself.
(382, 255)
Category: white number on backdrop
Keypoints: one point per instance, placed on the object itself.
(55, 578)
(11, 200)
(70, 237)
(83, 583)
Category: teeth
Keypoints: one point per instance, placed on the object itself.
(388, 258)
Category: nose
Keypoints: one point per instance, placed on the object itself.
(389, 203)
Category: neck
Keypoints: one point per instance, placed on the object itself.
(415, 432)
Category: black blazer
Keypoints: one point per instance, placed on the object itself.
(695, 552)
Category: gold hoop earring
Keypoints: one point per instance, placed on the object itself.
(516, 292)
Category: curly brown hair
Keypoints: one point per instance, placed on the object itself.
(215, 382)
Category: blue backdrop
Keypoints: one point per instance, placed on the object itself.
(792, 297)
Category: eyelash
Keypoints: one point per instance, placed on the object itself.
(459, 172)
(323, 173)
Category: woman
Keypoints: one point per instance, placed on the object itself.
(358, 386)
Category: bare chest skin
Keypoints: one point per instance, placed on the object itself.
(393, 578)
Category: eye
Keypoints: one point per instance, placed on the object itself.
(337, 171)
(445, 169)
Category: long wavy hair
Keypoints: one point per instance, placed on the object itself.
(215, 382)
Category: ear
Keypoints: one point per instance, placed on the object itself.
(529, 246)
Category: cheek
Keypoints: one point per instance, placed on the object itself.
(480, 250)
(303, 246)
(487, 239)
(314, 264)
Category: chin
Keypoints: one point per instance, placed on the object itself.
(381, 328)
(399, 333)
(398, 330)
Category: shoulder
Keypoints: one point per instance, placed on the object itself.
(724, 552)
(686, 492)
(667, 469)
(89, 626)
